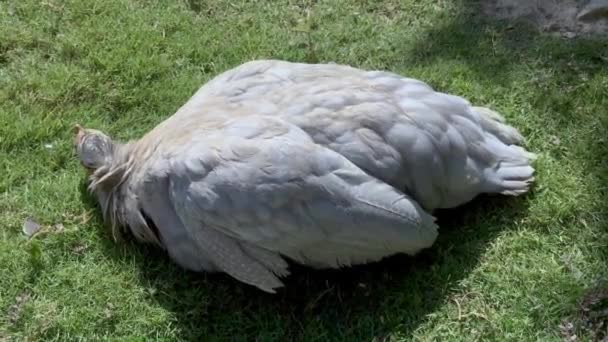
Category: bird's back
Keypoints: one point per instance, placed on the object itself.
(434, 145)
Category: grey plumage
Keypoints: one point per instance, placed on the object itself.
(323, 164)
(436, 147)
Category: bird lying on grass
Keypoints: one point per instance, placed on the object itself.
(323, 164)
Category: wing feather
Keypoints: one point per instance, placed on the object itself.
(288, 197)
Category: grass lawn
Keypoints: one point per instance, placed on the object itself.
(502, 269)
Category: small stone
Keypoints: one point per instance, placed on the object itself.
(568, 35)
(30, 227)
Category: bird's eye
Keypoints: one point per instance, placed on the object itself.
(88, 167)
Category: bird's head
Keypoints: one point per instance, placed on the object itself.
(107, 167)
(94, 148)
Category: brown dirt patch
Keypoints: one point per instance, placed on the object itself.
(558, 16)
(591, 317)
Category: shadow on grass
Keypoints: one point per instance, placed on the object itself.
(368, 302)
(358, 303)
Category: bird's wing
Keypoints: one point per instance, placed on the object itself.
(259, 188)
(437, 147)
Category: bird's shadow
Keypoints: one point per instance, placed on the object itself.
(358, 303)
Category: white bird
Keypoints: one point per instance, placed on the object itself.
(320, 164)
(436, 147)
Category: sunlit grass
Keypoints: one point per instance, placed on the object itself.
(501, 270)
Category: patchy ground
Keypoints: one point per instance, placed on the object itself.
(566, 17)
(591, 317)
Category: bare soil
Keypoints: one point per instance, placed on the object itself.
(558, 16)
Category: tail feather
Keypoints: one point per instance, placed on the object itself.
(526, 154)
(516, 172)
(495, 124)
(513, 174)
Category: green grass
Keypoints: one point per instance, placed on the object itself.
(502, 269)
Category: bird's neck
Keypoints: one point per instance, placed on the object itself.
(115, 171)
(107, 183)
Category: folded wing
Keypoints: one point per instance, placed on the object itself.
(259, 189)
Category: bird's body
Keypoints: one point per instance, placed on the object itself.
(437, 147)
(326, 165)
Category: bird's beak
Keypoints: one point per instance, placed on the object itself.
(79, 133)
